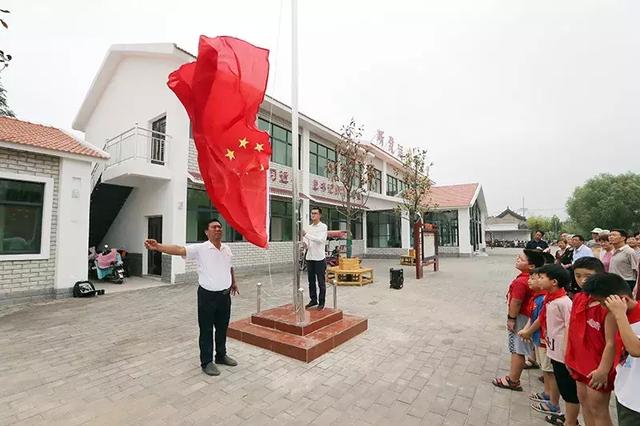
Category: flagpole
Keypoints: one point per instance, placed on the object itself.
(297, 295)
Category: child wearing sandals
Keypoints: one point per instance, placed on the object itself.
(591, 347)
(554, 321)
(614, 292)
(517, 303)
(548, 401)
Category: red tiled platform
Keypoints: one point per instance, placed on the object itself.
(277, 330)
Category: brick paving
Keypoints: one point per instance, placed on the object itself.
(132, 358)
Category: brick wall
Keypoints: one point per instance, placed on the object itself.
(388, 252)
(29, 280)
(193, 157)
(249, 259)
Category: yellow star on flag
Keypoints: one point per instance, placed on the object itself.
(230, 154)
(243, 142)
(261, 168)
(258, 147)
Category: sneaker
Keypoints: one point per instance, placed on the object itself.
(211, 370)
(311, 304)
(227, 361)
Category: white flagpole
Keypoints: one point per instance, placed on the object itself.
(298, 303)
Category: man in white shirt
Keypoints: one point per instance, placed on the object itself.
(216, 285)
(314, 239)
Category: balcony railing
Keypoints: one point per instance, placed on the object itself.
(138, 143)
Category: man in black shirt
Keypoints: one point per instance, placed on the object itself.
(537, 243)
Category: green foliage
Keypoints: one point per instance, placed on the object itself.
(607, 201)
(350, 172)
(5, 111)
(417, 184)
(552, 226)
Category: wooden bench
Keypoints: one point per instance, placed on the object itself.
(408, 259)
(349, 272)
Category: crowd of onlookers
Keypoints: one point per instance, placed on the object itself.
(573, 313)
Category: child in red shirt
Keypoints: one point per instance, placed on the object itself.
(613, 291)
(517, 305)
(591, 347)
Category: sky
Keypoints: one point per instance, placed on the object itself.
(528, 98)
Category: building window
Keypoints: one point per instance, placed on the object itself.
(281, 220)
(281, 146)
(199, 213)
(21, 216)
(158, 138)
(383, 229)
(447, 222)
(336, 221)
(319, 157)
(376, 182)
(393, 185)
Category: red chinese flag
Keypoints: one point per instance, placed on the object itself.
(222, 92)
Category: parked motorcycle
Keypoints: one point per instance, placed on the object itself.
(107, 265)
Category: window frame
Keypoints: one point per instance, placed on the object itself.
(314, 156)
(396, 184)
(47, 211)
(377, 179)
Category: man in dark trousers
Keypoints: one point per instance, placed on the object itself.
(314, 239)
(217, 284)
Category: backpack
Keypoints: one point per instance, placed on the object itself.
(396, 278)
(85, 289)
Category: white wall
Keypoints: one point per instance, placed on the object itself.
(138, 93)
(73, 222)
(130, 227)
(464, 235)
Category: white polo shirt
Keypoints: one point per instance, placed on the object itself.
(316, 238)
(214, 265)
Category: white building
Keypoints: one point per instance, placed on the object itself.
(44, 210)
(507, 226)
(151, 187)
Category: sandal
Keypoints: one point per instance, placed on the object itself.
(530, 365)
(506, 383)
(557, 419)
(541, 379)
(546, 407)
(539, 397)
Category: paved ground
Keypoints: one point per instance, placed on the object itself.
(131, 358)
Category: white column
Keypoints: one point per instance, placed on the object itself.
(406, 230)
(174, 218)
(305, 186)
(364, 230)
(464, 235)
(384, 178)
(72, 236)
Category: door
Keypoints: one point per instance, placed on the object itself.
(158, 136)
(154, 265)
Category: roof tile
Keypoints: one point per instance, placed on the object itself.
(39, 136)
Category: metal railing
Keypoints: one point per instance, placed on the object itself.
(137, 143)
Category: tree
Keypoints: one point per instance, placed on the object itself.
(551, 226)
(349, 173)
(416, 183)
(4, 57)
(4, 107)
(607, 201)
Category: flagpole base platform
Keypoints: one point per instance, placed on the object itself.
(278, 330)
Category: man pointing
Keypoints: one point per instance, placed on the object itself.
(216, 285)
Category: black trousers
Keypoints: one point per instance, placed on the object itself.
(316, 270)
(626, 416)
(214, 310)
